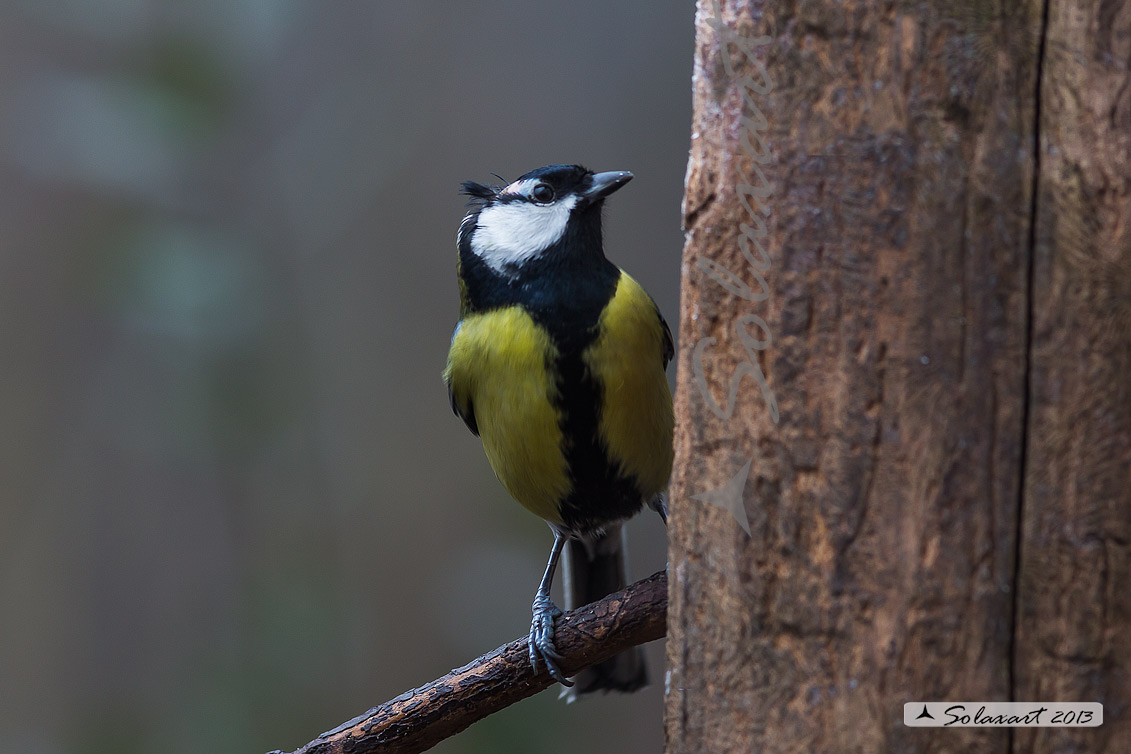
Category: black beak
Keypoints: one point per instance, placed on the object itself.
(603, 184)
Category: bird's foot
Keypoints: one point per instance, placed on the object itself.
(541, 640)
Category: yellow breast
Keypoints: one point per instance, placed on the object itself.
(498, 365)
(627, 359)
(501, 370)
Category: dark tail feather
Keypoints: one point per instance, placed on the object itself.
(595, 568)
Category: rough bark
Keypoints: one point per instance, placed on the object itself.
(1074, 610)
(948, 374)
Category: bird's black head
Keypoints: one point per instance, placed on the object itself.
(554, 211)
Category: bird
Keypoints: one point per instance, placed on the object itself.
(558, 363)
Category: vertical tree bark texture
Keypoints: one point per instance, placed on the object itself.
(948, 374)
(1074, 618)
(883, 505)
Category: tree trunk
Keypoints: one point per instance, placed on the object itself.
(1073, 632)
(938, 294)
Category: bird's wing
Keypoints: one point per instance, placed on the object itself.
(467, 413)
(669, 344)
(462, 408)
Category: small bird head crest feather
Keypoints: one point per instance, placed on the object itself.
(478, 191)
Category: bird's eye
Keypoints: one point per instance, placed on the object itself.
(542, 194)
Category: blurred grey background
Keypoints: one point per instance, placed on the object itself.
(235, 508)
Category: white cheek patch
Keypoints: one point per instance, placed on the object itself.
(509, 234)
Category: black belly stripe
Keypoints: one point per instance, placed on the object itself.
(565, 291)
(599, 493)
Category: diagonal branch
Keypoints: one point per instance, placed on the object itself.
(419, 719)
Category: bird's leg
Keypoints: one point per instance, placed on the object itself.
(660, 504)
(541, 638)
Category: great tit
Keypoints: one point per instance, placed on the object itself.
(558, 365)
